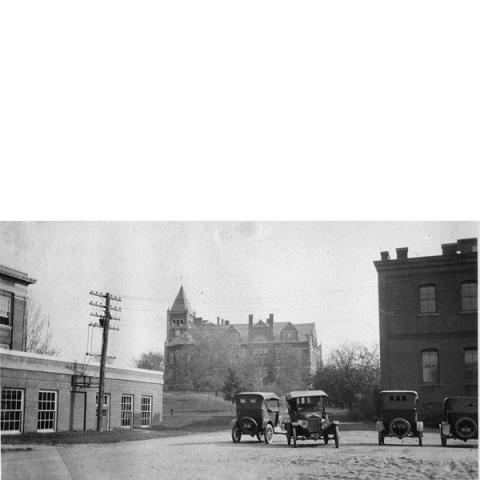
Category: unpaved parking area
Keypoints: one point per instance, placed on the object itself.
(214, 456)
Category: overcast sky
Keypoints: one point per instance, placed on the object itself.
(318, 272)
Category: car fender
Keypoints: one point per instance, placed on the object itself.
(233, 423)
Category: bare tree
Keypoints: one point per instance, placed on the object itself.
(150, 361)
(39, 336)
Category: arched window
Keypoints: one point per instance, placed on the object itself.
(430, 371)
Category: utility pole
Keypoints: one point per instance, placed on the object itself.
(104, 324)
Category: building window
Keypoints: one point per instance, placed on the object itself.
(430, 373)
(126, 411)
(47, 411)
(5, 309)
(260, 352)
(289, 336)
(12, 410)
(146, 411)
(471, 365)
(428, 299)
(260, 339)
(469, 297)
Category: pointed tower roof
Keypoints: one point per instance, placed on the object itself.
(181, 304)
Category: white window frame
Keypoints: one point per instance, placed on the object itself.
(46, 420)
(124, 410)
(428, 300)
(6, 306)
(146, 413)
(20, 411)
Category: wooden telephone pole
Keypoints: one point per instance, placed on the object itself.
(104, 324)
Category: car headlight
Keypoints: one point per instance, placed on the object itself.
(303, 423)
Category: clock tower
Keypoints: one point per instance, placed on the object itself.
(180, 317)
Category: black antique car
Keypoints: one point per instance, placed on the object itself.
(461, 419)
(399, 415)
(308, 419)
(257, 415)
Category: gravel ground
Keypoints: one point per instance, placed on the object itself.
(213, 456)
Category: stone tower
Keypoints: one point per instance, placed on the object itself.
(180, 317)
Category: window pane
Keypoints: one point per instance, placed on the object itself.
(430, 366)
(471, 366)
(469, 296)
(428, 299)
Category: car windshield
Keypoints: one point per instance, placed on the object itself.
(307, 404)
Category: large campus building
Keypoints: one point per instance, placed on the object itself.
(428, 322)
(266, 341)
(42, 393)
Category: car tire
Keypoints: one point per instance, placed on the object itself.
(401, 421)
(294, 437)
(443, 439)
(336, 436)
(268, 434)
(236, 434)
(466, 421)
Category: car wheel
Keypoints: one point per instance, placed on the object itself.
(325, 439)
(465, 428)
(294, 437)
(268, 434)
(380, 439)
(336, 436)
(236, 434)
(443, 439)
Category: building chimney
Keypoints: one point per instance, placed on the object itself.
(270, 321)
(223, 321)
(250, 321)
(384, 256)
(227, 322)
(402, 253)
(467, 245)
(218, 320)
(449, 248)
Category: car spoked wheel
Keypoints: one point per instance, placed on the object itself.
(400, 427)
(336, 436)
(466, 428)
(236, 434)
(268, 434)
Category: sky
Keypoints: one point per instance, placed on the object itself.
(301, 272)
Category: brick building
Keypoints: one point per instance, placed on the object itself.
(428, 323)
(267, 342)
(41, 393)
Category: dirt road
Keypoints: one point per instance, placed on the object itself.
(213, 456)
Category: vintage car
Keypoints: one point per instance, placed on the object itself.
(461, 419)
(399, 416)
(308, 419)
(257, 414)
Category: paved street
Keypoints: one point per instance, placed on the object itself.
(214, 456)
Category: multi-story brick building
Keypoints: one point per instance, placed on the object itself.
(267, 342)
(42, 393)
(428, 322)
